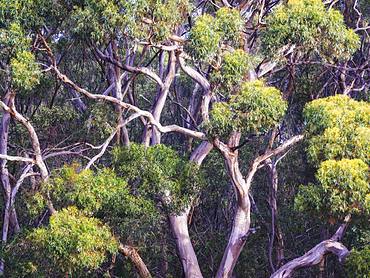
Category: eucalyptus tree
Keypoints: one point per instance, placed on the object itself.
(187, 75)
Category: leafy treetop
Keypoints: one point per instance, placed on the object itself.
(72, 243)
(311, 28)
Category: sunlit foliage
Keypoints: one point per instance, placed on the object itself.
(311, 28)
(342, 189)
(338, 127)
(72, 244)
(254, 110)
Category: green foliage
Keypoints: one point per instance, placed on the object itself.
(338, 127)
(25, 72)
(342, 189)
(56, 116)
(86, 190)
(209, 32)
(72, 244)
(234, 68)
(12, 40)
(311, 28)
(159, 173)
(229, 23)
(167, 15)
(101, 121)
(95, 19)
(103, 195)
(254, 110)
(140, 19)
(14, 45)
(357, 265)
(204, 38)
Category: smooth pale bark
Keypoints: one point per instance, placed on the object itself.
(189, 261)
(317, 253)
(203, 82)
(313, 257)
(241, 224)
(38, 160)
(130, 252)
(4, 132)
(162, 96)
(179, 225)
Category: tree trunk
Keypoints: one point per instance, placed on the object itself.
(5, 121)
(236, 242)
(179, 224)
(241, 226)
(162, 96)
(189, 261)
(275, 229)
(241, 222)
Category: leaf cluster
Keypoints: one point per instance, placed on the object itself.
(254, 110)
(342, 188)
(208, 33)
(337, 127)
(311, 28)
(234, 68)
(160, 174)
(71, 244)
(151, 20)
(357, 265)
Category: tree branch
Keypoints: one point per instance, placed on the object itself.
(146, 114)
(130, 252)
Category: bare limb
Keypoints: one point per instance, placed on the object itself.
(146, 114)
(317, 253)
(130, 252)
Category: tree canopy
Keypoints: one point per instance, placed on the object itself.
(185, 138)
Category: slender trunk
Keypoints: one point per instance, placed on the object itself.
(324, 235)
(162, 96)
(241, 224)
(14, 221)
(5, 122)
(164, 259)
(179, 224)
(275, 229)
(280, 256)
(79, 105)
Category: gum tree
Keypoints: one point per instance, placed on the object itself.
(191, 75)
